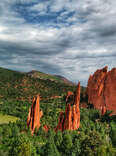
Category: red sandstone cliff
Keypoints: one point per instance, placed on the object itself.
(34, 116)
(101, 90)
(70, 120)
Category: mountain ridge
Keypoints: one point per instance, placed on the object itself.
(45, 76)
(23, 86)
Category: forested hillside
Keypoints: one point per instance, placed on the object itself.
(96, 135)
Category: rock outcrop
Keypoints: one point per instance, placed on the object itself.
(46, 128)
(101, 90)
(70, 120)
(69, 96)
(34, 115)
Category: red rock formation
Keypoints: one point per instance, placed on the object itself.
(103, 110)
(34, 116)
(46, 128)
(76, 110)
(83, 105)
(69, 96)
(101, 90)
(60, 125)
(70, 120)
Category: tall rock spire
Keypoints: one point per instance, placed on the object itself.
(75, 109)
(34, 115)
(70, 120)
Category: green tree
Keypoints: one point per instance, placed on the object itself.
(50, 147)
(76, 148)
(67, 142)
(15, 130)
(113, 134)
(58, 139)
(21, 146)
(106, 150)
(91, 144)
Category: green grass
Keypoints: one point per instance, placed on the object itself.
(5, 119)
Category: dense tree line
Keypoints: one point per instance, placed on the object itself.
(95, 137)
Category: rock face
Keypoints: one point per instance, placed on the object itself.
(69, 96)
(34, 116)
(101, 90)
(70, 120)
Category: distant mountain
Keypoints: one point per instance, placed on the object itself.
(65, 80)
(23, 86)
(44, 76)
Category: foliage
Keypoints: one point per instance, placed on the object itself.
(21, 146)
(96, 135)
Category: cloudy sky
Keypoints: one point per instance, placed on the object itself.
(65, 37)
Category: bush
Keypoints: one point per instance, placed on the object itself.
(21, 146)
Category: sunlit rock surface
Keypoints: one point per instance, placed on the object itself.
(70, 120)
(101, 90)
(34, 115)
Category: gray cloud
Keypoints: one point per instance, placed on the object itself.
(79, 40)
